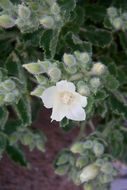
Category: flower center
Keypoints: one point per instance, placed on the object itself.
(67, 97)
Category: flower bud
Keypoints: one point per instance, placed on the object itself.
(107, 168)
(62, 170)
(63, 159)
(117, 23)
(47, 22)
(23, 11)
(54, 73)
(88, 144)
(83, 89)
(9, 85)
(16, 92)
(6, 21)
(10, 97)
(89, 173)
(112, 12)
(83, 57)
(38, 91)
(88, 186)
(69, 60)
(98, 69)
(77, 147)
(71, 70)
(55, 9)
(81, 161)
(105, 179)
(40, 145)
(34, 68)
(41, 79)
(95, 82)
(99, 162)
(27, 138)
(98, 149)
(1, 99)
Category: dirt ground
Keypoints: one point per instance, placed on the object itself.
(40, 176)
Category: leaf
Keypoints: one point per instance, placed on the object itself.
(111, 83)
(3, 117)
(23, 110)
(48, 42)
(95, 13)
(101, 95)
(12, 126)
(17, 155)
(118, 107)
(123, 40)
(66, 8)
(3, 141)
(67, 124)
(98, 37)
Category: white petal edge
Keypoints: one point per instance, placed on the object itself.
(83, 101)
(65, 85)
(58, 112)
(76, 113)
(48, 96)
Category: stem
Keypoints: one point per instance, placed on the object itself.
(92, 126)
(81, 132)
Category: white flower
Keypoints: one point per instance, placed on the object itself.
(64, 101)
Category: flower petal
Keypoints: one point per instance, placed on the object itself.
(83, 101)
(76, 113)
(58, 112)
(65, 85)
(48, 96)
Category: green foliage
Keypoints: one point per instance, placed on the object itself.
(83, 42)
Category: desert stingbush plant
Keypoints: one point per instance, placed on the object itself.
(75, 53)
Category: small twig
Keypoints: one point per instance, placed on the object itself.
(92, 126)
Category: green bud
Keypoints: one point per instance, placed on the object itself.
(95, 82)
(34, 68)
(99, 162)
(71, 70)
(27, 138)
(83, 89)
(98, 69)
(40, 145)
(6, 4)
(107, 168)
(16, 92)
(88, 186)
(38, 91)
(83, 57)
(105, 179)
(54, 73)
(69, 60)
(23, 11)
(98, 149)
(13, 139)
(63, 159)
(9, 85)
(55, 9)
(62, 170)
(47, 22)
(81, 161)
(9, 98)
(1, 99)
(89, 173)
(41, 79)
(77, 147)
(112, 12)
(6, 21)
(117, 23)
(88, 144)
